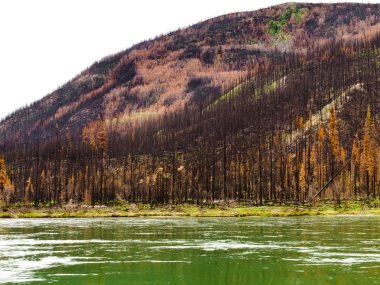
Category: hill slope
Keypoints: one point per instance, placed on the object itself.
(174, 70)
(202, 116)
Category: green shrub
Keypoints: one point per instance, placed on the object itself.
(276, 27)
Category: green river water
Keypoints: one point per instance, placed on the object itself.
(302, 250)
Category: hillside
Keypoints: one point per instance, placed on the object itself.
(277, 106)
(205, 60)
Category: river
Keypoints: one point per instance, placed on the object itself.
(300, 250)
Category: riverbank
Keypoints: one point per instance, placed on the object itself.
(187, 210)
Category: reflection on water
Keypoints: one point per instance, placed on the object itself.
(309, 250)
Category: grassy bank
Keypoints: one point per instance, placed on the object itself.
(187, 210)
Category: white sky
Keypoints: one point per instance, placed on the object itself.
(45, 43)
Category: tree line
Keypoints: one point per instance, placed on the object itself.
(298, 128)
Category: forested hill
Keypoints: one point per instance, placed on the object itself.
(268, 107)
(178, 69)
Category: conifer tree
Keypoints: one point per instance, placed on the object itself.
(369, 152)
(3, 176)
(333, 135)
